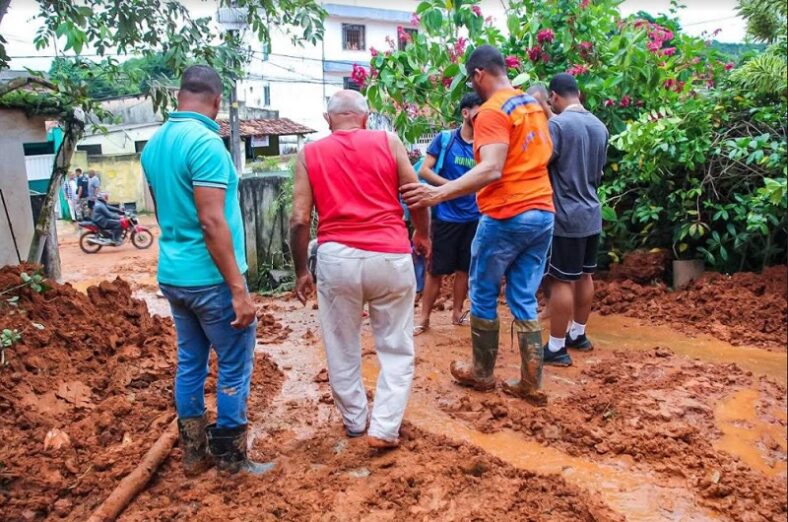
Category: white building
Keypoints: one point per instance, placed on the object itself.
(298, 80)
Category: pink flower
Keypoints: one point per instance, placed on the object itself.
(670, 51)
(477, 10)
(534, 53)
(513, 62)
(639, 103)
(373, 52)
(459, 46)
(626, 101)
(414, 19)
(584, 4)
(610, 102)
(359, 75)
(669, 83)
(545, 36)
(586, 48)
(446, 82)
(729, 66)
(545, 58)
(403, 36)
(653, 46)
(577, 70)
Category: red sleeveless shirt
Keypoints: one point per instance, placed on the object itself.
(355, 187)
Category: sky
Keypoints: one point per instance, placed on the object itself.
(698, 16)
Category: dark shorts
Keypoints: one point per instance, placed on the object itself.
(571, 257)
(451, 246)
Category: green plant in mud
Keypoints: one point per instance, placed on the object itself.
(36, 282)
(8, 338)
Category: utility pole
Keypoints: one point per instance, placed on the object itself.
(233, 19)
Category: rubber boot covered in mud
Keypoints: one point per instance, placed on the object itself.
(194, 444)
(484, 341)
(228, 447)
(529, 387)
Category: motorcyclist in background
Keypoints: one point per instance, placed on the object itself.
(107, 217)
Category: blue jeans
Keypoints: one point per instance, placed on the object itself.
(516, 248)
(202, 317)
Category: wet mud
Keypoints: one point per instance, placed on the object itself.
(663, 421)
(742, 309)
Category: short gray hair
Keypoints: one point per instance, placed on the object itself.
(347, 101)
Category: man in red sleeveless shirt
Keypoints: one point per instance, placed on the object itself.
(352, 179)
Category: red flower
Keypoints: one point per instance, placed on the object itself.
(729, 66)
(639, 103)
(545, 57)
(414, 19)
(545, 36)
(446, 82)
(577, 70)
(670, 51)
(626, 101)
(534, 53)
(669, 83)
(513, 62)
(359, 75)
(584, 4)
(610, 102)
(477, 10)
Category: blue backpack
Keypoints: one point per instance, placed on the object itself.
(446, 138)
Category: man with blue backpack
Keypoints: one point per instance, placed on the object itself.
(450, 156)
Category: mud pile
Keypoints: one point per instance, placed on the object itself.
(742, 309)
(86, 390)
(656, 409)
(642, 266)
(331, 477)
(270, 329)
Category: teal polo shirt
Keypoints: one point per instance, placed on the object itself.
(187, 152)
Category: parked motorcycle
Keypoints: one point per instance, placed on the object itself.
(92, 238)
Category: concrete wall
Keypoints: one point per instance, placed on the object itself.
(121, 141)
(121, 176)
(16, 129)
(265, 227)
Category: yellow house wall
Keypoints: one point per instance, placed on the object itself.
(121, 176)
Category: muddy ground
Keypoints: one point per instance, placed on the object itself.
(665, 420)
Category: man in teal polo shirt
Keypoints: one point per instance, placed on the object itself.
(201, 273)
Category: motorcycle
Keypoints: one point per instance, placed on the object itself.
(92, 239)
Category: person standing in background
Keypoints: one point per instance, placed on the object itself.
(70, 191)
(94, 187)
(580, 142)
(82, 194)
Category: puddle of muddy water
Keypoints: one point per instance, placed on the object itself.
(622, 333)
(638, 495)
(743, 432)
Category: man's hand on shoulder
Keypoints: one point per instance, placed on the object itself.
(419, 195)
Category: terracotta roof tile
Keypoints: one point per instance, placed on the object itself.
(271, 127)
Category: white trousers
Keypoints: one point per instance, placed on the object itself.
(346, 279)
(72, 208)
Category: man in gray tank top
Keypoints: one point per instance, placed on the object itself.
(579, 154)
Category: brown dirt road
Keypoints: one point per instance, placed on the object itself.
(652, 425)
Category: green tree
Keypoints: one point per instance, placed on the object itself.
(145, 28)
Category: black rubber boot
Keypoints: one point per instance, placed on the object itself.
(484, 340)
(228, 447)
(529, 387)
(194, 445)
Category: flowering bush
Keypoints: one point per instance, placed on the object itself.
(666, 99)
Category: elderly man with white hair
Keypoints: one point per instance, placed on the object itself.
(352, 178)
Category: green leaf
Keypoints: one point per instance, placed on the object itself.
(521, 78)
(609, 214)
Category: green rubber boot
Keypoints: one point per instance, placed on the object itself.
(529, 387)
(194, 445)
(484, 340)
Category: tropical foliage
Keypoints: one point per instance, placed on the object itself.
(698, 152)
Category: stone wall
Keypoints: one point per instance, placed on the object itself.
(265, 223)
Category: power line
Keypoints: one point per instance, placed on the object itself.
(710, 21)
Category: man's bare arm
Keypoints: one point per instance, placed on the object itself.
(301, 219)
(488, 170)
(300, 225)
(210, 211)
(419, 216)
(427, 174)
